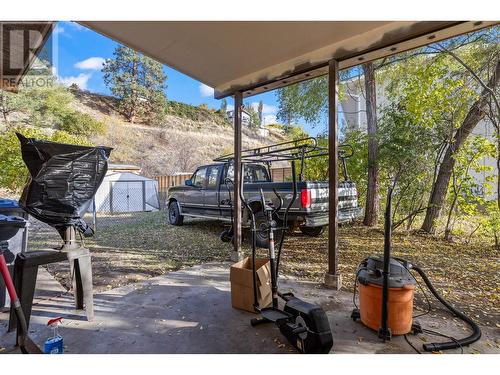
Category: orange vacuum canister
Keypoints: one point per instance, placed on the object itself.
(400, 301)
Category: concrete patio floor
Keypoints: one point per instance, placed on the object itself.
(189, 311)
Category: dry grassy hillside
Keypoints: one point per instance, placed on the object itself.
(178, 145)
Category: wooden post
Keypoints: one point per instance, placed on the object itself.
(332, 277)
(238, 104)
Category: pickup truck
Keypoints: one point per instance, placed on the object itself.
(208, 194)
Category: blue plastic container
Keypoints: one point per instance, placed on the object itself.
(54, 345)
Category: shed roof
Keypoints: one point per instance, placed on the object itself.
(125, 176)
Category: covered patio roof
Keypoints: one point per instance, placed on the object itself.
(254, 57)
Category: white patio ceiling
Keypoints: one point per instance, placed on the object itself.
(254, 57)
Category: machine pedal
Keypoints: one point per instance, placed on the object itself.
(273, 315)
(286, 296)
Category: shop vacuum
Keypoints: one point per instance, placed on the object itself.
(386, 291)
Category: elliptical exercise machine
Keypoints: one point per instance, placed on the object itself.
(304, 325)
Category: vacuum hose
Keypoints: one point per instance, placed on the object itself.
(434, 347)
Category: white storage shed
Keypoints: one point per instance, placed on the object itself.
(124, 191)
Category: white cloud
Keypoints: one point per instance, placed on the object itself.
(266, 108)
(230, 107)
(81, 80)
(206, 90)
(92, 63)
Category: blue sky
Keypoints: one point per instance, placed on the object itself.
(79, 60)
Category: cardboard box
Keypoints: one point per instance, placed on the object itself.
(242, 284)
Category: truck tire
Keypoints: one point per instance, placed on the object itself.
(174, 214)
(312, 231)
(262, 239)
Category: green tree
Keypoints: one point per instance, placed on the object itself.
(476, 65)
(138, 82)
(405, 153)
(490, 221)
(466, 197)
(48, 106)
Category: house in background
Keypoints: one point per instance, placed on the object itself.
(246, 120)
(124, 189)
(245, 117)
(353, 107)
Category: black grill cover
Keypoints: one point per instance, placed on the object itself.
(63, 180)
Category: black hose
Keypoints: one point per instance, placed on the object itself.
(476, 332)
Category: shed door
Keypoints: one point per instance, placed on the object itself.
(127, 196)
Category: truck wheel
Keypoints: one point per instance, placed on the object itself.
(262, 239)
(312, 231)
(174, 215)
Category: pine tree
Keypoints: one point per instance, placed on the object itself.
(138, 82)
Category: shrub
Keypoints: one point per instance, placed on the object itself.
(81, 124)
(200, 113)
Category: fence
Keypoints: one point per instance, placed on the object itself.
(165, 182)
(281, 174)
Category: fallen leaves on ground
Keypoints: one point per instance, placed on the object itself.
(132, 248)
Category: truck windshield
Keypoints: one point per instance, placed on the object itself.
(252, 173)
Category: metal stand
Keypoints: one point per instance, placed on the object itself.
(81, 272)
(26, 271)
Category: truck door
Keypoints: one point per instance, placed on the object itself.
(192, 201)
(211, 193)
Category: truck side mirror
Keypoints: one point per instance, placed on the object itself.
(188, 182)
